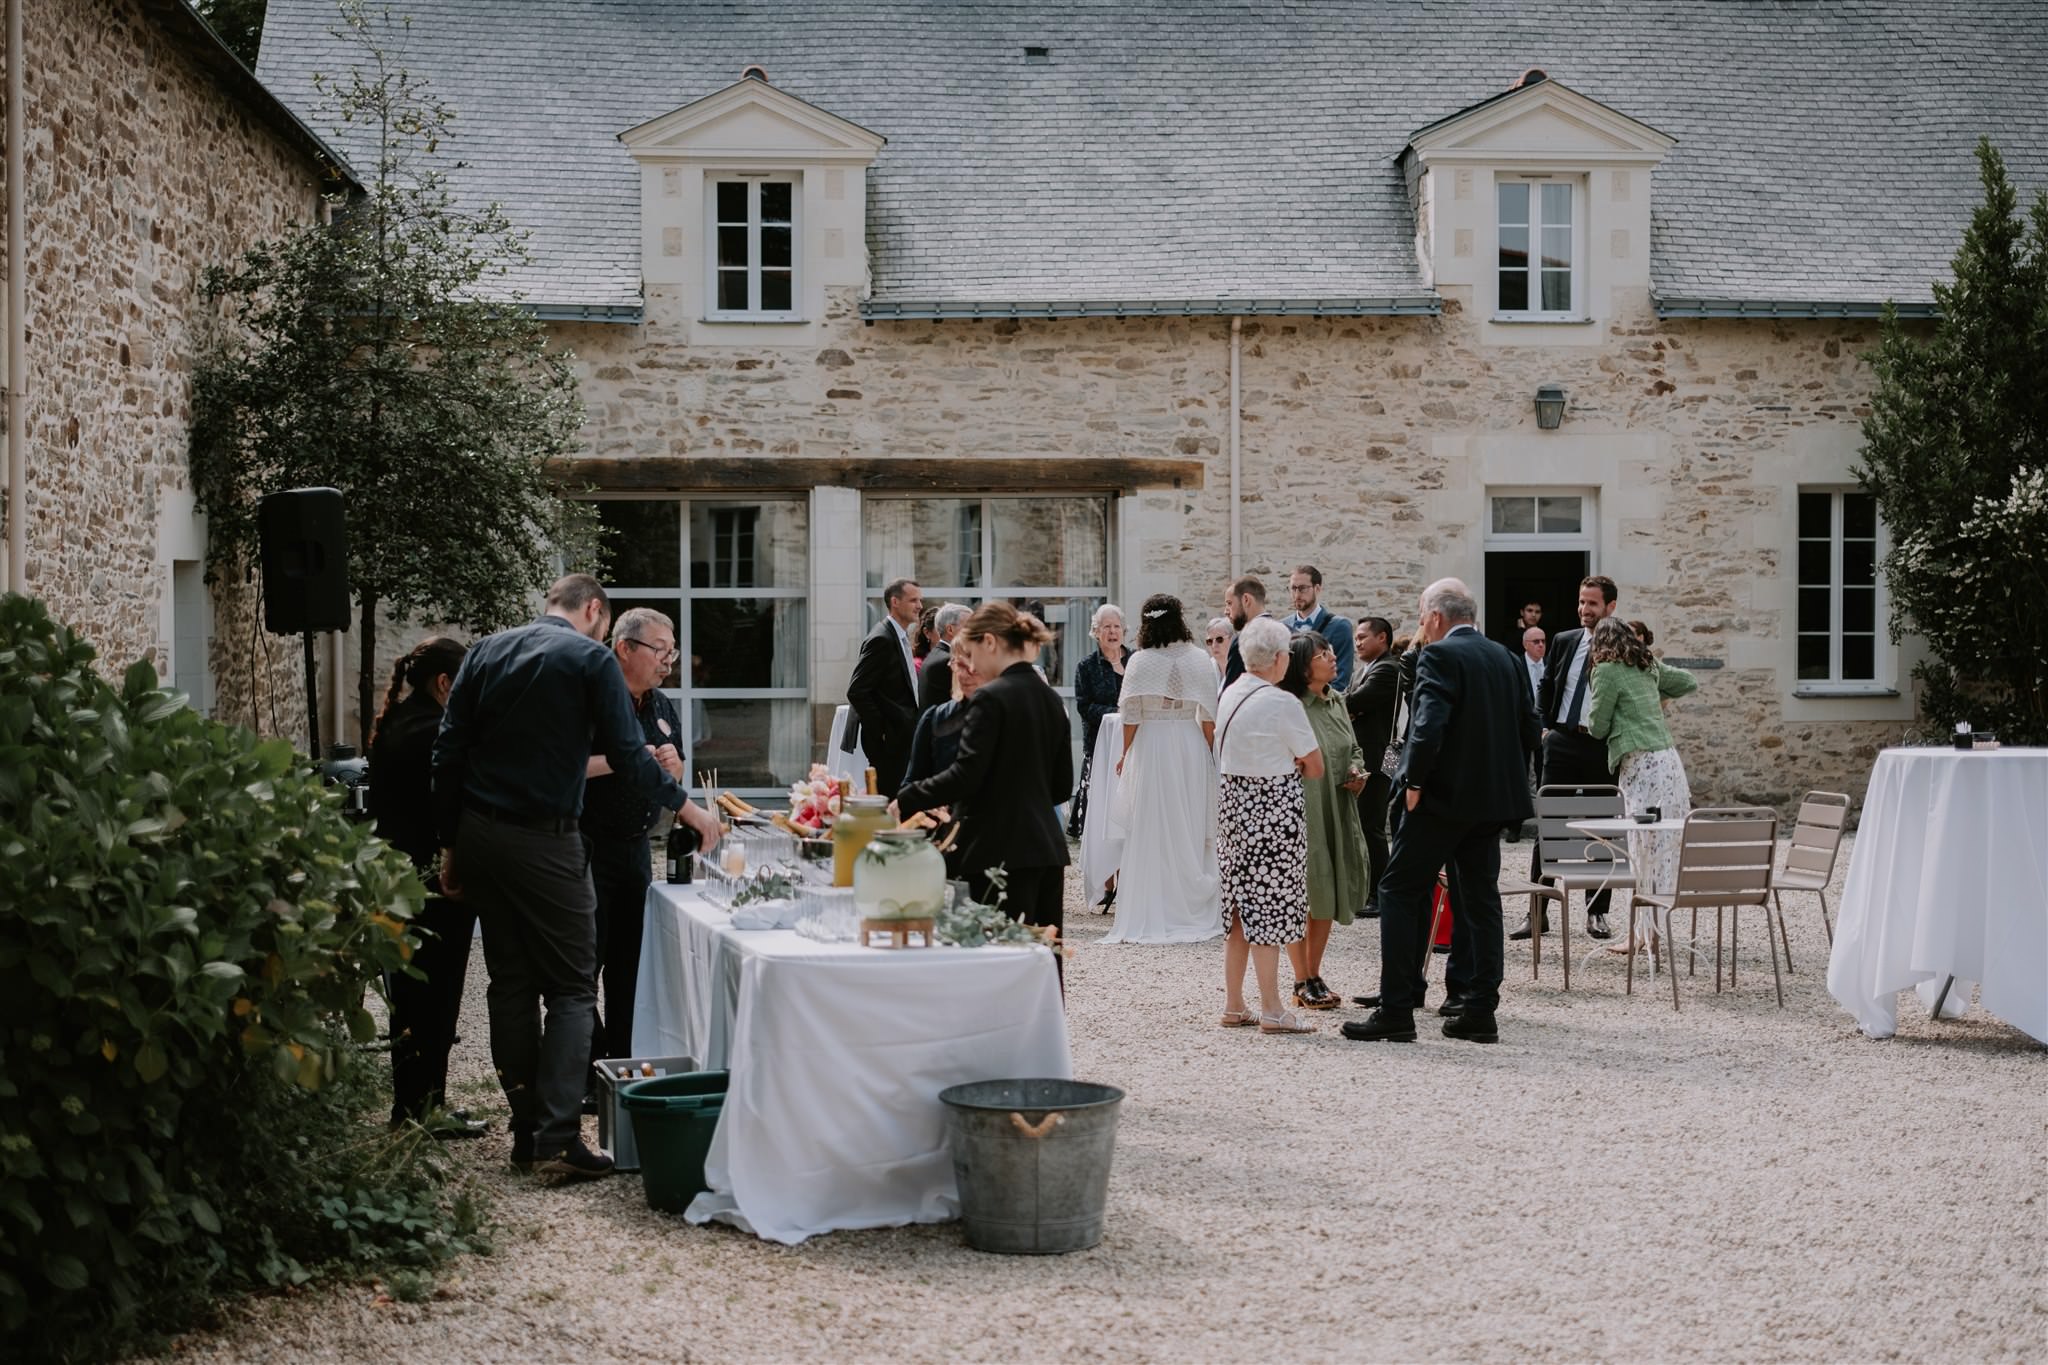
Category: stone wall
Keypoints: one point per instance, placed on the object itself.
(142, 172)
(1368, 446)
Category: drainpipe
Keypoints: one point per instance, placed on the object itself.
(17, 313)
(1236, 359)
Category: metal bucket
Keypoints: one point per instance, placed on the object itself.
(1031, 1159)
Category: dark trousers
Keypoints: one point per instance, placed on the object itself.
(424, 1009)
(1571, 759)
(532, 892)
(1424, 843)
(620, 871)
(1372, 817)
(1036, 896)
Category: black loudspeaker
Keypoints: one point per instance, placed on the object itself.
(305, 561)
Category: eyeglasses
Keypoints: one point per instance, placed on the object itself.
(663, 657)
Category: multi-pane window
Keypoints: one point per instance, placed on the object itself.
(754, 247)
(1047, 556)
(1838, 588)
(1535, 228)
(734, 578)
(1533, 514)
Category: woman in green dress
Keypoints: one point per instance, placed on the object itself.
(1338, 875)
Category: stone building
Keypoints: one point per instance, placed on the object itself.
(147, 154)
(1076, 302)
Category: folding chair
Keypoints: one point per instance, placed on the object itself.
(1810, 865)
(1568, 861)
(1724, 862)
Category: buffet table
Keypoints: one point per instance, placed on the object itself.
(838, 1054)
(1948, 878)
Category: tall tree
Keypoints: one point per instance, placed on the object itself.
(384, 354)
(1956, 452)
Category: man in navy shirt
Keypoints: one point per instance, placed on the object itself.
(528, 709)
(1305, 587)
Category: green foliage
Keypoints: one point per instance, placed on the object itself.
(188, 926)
(385, 354)
(1956, 452)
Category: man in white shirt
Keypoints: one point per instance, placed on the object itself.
(1569, 754)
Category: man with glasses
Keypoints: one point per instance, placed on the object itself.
(1305, 588)
(618, 818)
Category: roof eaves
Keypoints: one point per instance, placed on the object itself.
(1673, 307)
(1403, 305)
(186, 25)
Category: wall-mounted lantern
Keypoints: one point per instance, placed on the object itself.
(1550, 406)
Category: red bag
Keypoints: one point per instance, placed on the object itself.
(1440, 914)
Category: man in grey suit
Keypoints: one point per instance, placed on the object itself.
(1463, 779)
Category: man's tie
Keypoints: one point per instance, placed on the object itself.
(1571, 714)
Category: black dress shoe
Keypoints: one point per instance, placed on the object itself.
(1382, 1026)
(1369, 1002)
(576, 1162)
(1473, 1028)
(590, 1103)
(522, 1152)
(1371, 911)
(1441, 949)
(1541, 927)
(1451, 1009)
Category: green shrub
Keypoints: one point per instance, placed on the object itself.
(188, 926)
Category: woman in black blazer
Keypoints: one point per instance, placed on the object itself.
(1015, 765)
(423, 1011)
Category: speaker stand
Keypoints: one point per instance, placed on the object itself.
(312, 700)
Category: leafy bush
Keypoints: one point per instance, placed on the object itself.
(188, 926)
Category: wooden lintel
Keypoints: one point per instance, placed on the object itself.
(758, 473)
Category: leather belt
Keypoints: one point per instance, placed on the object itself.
(539, 824)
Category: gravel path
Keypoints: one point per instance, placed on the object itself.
(1611, 1181)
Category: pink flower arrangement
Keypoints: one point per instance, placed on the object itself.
(815, 799)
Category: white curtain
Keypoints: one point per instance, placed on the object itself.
(789, 720)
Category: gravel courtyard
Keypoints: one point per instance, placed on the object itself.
(1611, 1181)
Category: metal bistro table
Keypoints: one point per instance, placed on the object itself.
(838, 1054)
(1607, 831)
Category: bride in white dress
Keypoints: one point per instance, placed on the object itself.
(1166, 886)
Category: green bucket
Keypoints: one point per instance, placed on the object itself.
(673, 1119)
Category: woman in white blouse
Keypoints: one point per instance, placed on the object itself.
(1166, 786)
(1264, 746)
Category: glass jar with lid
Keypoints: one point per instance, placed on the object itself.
(858, 822)
(900, 874)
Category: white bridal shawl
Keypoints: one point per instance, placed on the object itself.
(1174, 682)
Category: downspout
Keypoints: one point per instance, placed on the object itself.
(17, 313)
(1236, 359)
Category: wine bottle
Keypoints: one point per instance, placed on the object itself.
(682, 850)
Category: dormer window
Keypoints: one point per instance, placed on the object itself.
(753, 236)
(1538, 238)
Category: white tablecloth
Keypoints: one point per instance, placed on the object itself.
(852, 765)
(838, 1054)
(1102, 839)
(1948, 877)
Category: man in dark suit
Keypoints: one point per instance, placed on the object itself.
(1462, 782)
(1242, 600)
(1371, 702)
(1571, 756)
(883, 691)
(935, 679)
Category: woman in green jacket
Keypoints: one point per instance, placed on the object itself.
(1627, 689)
(1338, 875)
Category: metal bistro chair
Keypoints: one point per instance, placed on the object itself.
(1724, 862)
(1568, 861)
(1810, 865)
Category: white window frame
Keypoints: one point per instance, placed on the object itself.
(753, 180)
(1882, 681)
(678, 601)
(1586, 538)
(1576, 311)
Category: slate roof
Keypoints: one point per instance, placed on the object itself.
(1195, 149)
